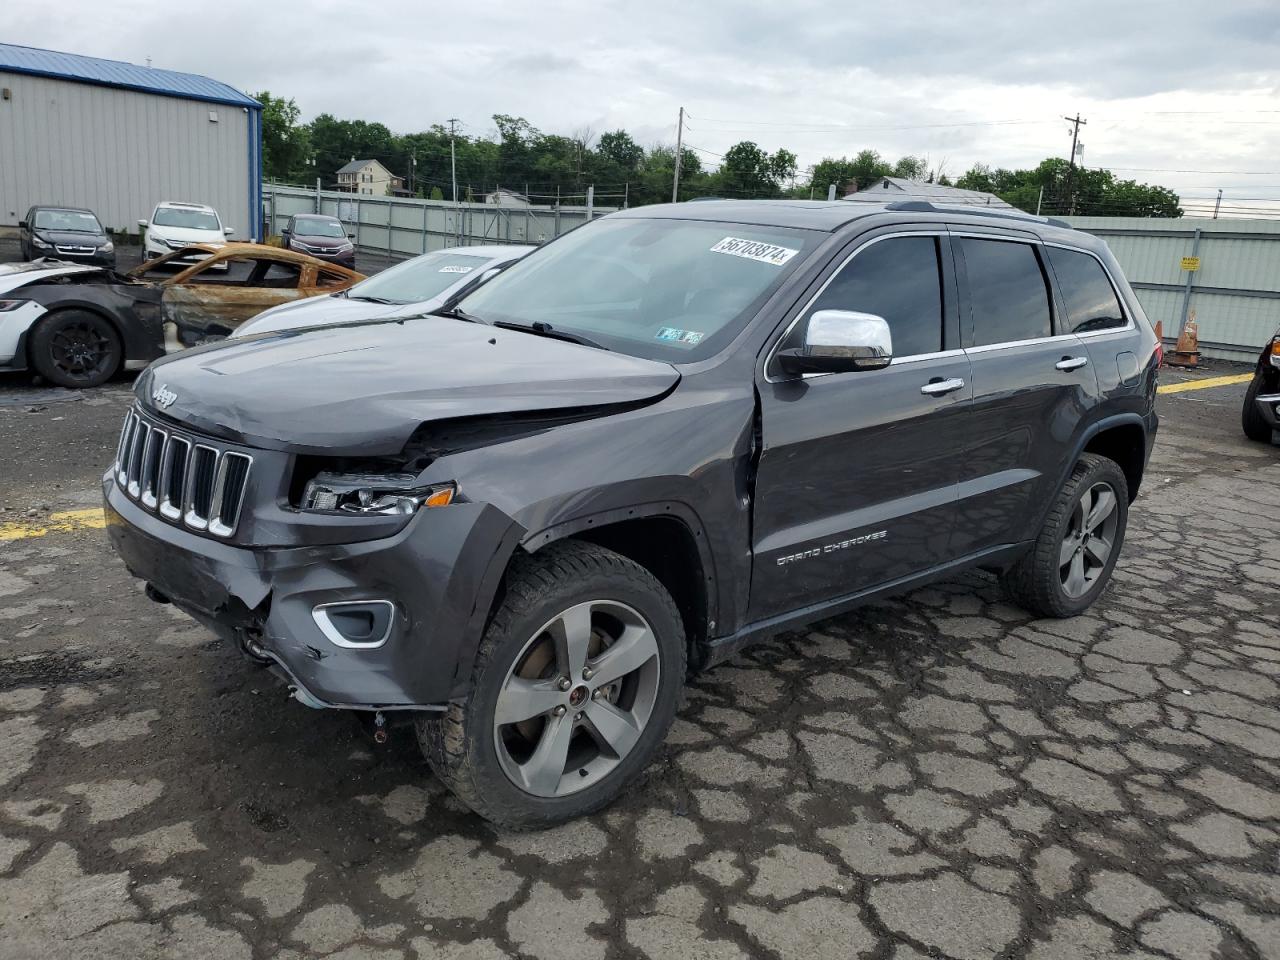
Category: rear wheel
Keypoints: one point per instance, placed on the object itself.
(1251, 419)
(1073, 557)
(75, 348)
(575, 684)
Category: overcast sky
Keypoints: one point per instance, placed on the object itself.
(1166, 86)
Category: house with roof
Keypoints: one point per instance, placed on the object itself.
(117, 138)
(370, 178)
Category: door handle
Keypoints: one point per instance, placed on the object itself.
(1070, 363)
(936, 388)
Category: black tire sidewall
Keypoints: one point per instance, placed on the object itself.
(1251, 421)
(504, 799)
(42, 359)
(1100, 470)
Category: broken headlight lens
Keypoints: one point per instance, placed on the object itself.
(372, 494)
(7, 305)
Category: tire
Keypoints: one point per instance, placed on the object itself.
(75, 348)
(519, 668)
(1251, 420)
(1045, 584)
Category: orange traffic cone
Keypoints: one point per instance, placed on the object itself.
(1187, 351)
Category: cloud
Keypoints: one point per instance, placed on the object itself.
(818, 78)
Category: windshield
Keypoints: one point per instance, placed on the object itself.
(186, 219)
(662, 289)
(319, 228)
(72, 221)
(420, 278)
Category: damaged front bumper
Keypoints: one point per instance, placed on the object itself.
(285, 605)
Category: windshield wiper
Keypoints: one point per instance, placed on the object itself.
(542, 329)
(377, 300)
(456, 314)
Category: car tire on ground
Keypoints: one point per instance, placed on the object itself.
(1071, 561)
(75, 348)
(1251, 419)
(575, 684)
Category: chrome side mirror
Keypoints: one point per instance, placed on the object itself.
(841, 341)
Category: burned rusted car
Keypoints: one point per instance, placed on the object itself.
(77, 325)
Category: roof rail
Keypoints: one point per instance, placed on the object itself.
(974, 210)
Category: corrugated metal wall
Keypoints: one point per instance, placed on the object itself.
(119, 152)
(406, 227)
(1236, 292)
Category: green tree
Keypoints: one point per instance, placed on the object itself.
(285, 143)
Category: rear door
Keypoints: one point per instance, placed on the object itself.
(1033, 385)
(857, 477)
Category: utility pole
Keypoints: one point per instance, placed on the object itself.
(453, 175)
(453, 162)
(1217, 204)
(675, 183)
(1071, 164)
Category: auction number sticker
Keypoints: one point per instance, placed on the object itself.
(755, 250)
(674, 335)
(456, 269)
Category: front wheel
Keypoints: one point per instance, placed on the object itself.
(575, 684)
(76, 348)
(1251, 419)
(1072, 559)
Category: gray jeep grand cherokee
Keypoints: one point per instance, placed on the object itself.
(667, 434)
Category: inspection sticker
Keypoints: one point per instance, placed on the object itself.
(673, 335)
(755, 250)
(456, 269)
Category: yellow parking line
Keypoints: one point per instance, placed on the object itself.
(1205, 383)
(63, 521)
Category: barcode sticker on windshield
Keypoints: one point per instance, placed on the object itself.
(755, 250)
(456, 269)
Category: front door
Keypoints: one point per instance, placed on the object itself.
(858, 471)
(212, 298)
(1033, 384)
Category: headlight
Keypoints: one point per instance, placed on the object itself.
(42, 244)
(345, 247)
(108, 247)
(372, 494)
(7, 305)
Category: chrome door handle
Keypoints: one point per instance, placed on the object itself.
(936, 388)
(1070, 363)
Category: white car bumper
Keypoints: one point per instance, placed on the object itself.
(13, 324)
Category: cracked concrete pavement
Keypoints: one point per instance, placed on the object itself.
(939, 775)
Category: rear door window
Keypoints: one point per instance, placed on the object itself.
(1008, 295)
(1091, 301)
(898, 279)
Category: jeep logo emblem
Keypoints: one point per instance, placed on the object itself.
(163, 396)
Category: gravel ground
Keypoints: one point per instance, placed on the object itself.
(936, 776)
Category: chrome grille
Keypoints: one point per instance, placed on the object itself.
(186, 481)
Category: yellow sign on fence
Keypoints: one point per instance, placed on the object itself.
(1191, 264)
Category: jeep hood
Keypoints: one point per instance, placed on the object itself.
(363, 389)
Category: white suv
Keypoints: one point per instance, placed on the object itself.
(174, 225)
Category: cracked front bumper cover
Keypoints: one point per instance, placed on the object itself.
(438, 571)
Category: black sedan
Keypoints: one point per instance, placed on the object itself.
(65, 233)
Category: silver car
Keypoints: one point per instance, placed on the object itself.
(416, 286)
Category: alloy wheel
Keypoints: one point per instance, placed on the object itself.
(1089, 540)
(80, 350)
(577, 698)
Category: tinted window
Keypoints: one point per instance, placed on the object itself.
(897, 279)
(1091, 300)
(186, 219)
(1007, 292)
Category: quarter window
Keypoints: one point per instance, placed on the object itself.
(898, 279)
(1090, 299)
(1007, 291)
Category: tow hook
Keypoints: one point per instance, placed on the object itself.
(379, 728)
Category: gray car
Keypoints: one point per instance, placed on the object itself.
(655, 440)
(415, 286)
